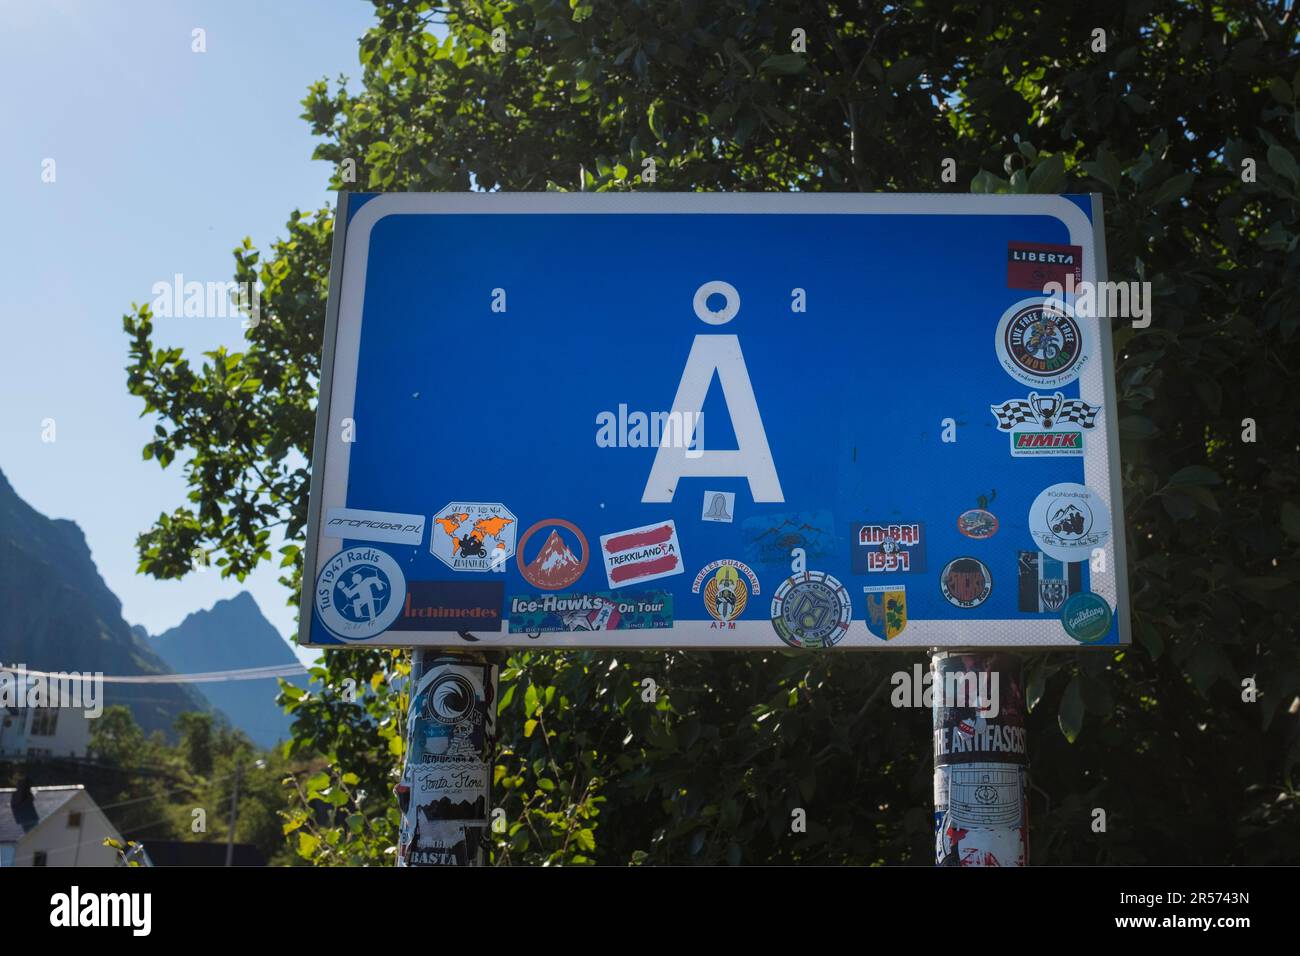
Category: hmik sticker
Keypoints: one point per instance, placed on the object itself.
(1045, 424)
(751, 458)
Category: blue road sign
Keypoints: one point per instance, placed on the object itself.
(716, 421)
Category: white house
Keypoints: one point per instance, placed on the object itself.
(54, 826)
(42, 731)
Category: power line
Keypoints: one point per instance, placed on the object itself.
(204, 677)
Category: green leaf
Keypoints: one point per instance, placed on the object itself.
(1049, 175)
(585, 839)
(1070, 714)
(1173, 188)
(785, 64)
(1291, 520)
(1281, 90)
(1195, 475)
(1284, 164)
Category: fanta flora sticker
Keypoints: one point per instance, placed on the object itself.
(598, 611)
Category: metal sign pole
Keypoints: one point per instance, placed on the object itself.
(445, 792)
(981, 817)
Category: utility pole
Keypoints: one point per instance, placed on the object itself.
(234, 810)
(445, 791)
(981, 817)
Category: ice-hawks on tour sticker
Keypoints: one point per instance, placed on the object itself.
(1040, 343)
(888, 548)
(1086, 617)
(966, 582)
(727, 585)
(1031, 265)
(555, 565)
(597, 611)
(977, 523)
(1068, 520)
(811, 609)
(1046, 582)
(1045, 425)
(473, 536)
(642, 554)
(886, 610)
(359, 593)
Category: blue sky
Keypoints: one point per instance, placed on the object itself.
(165, 159)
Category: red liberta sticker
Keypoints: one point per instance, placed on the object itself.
(1031, 265)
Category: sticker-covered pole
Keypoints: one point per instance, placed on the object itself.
(981, 817)
(445, 790)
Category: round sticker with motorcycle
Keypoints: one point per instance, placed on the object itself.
(1068, 521)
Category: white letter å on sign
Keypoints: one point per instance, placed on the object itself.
(752, 458)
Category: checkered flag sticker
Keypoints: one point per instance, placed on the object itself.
(1018, 411)
(1078, 412)
(1015, 412)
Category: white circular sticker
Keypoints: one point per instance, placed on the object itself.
(359, 593)
(1040, 343)
(1068, 521)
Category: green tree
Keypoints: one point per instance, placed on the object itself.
(1159, 119)
(196, 741)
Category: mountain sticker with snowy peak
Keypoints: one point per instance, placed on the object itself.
(561, 559)
(769, 539)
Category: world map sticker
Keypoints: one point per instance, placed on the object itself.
(473, 536)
